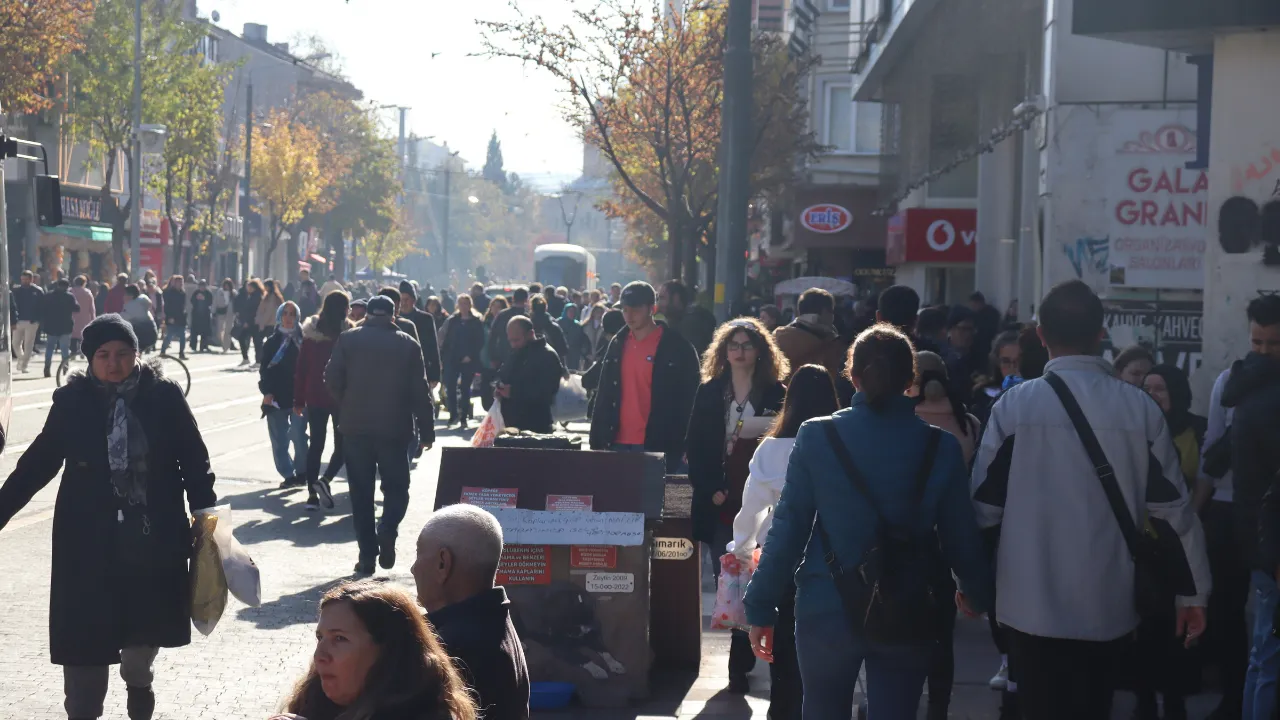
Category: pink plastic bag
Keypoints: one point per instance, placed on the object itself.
(729, 612)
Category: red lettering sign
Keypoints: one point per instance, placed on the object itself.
(826, 218)
(593, 557)
(525, 565)
(570, 503)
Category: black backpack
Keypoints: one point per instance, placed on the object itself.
(890, 596)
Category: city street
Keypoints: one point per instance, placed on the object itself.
(244, 668)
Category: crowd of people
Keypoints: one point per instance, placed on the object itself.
(882, 469)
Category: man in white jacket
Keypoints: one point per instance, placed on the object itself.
(1064, 576)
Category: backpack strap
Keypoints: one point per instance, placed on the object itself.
(859, 481)
(1106, 474)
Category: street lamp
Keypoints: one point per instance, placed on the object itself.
(568, 218)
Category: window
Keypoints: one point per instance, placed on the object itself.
(837, 4)
(850, 127)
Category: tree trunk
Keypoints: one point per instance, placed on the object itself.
(709, 258)
(691, 245)
(339, 255)
(675, 249)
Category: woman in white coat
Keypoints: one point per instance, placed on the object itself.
(811, 394)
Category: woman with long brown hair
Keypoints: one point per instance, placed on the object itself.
(266, 317)
(739, 398)
(376, 658)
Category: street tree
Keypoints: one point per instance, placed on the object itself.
(100, 75)
(646, 89)
(287, 175)
(493, 171)
(384, 248)
(35, 35)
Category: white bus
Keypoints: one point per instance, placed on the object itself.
(564, 265)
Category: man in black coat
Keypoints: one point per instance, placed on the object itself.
(426, 326)
(458, 553)
(499, 348)
(529, 380)
(647, 383)
(57, 310)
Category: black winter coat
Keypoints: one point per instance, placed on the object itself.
(175, 307)
(706, 444)
(1253, 389)
(551, 332)
(246, 307)
(463, 338)
(277, 380)
(533, 372)
(99, 604)
(675, 380)
(425, 324)
(481, 638)
(56, 310)
(499, 346)
(202, 311)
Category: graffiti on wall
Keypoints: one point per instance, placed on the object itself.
(1090, 255)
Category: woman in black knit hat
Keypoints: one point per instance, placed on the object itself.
(134, 463)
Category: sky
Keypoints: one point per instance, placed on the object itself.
(416, 53)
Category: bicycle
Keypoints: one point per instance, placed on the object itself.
(172, 367)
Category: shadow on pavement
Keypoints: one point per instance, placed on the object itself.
(290, 520)
(300, 608)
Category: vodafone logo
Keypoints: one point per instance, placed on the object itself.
(941, 235)
(826, 218)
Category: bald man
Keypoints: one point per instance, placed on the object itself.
(458, 553)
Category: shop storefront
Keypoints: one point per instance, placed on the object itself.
(81, 245)
(839, 235)
(933, 251)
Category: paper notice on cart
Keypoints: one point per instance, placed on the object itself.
(561, 527)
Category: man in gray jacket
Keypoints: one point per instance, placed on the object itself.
(377, 378)
(1064, 576)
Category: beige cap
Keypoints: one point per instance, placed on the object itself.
(930, 362)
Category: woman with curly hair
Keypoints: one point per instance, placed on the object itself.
(376, 658)
(740, 397)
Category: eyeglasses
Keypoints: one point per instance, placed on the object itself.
(744, 347)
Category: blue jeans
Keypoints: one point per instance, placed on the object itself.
(62, 342)
(830, 659)
(174, 332)
(368, 457)
(1264, 652)
(285, 429)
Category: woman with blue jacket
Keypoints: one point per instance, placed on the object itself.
(887, 442)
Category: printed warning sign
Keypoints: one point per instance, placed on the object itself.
(569, 503)
(490, 497)
(525, 565)
(593, 557)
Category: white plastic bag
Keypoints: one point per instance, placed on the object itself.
(243, 579)
(490, 427)
(571, 401)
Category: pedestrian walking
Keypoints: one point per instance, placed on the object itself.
(739, 398)
(265, 319)
(681, 311)
(307, 297)
(1006, 353)
(460, 348)
(137, 312)
(311, 399)
(84, 314)
(812, 338)
(427, 327)
(26, 299)
(592, 329)
(201, 306)
(496, 342)
(330, 285)
(646, 384)
(1077, 423)
(276, 379)
(479, 301)
(116, 297)
(435, 308)
(873, 480)
(224, 316)
(248, 302)
(377, 658)
(575, 338)
(811, 394)
(57, 311)
(1252, 391)
(375, 375)
(1133, 363)
(455, 572)
(529, 380)
(545, 326)
(121, 535)
(175, 316)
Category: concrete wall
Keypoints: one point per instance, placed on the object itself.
(1090, 70)
(1244, 138)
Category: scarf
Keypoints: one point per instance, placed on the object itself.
(126, 440)
(291, 337)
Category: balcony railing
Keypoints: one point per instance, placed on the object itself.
(876, 15)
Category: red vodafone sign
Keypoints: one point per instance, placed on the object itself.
(826, 218)
(930, 235)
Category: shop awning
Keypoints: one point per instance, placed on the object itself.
(96, 233)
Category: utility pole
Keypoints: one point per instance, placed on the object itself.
(444, 235)
(135, 177)
(248, 184)
(735, 161)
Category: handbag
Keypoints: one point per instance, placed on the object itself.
(1160, 567)
(889, 598)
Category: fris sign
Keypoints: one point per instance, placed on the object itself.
(826, 218)
(930, 235)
